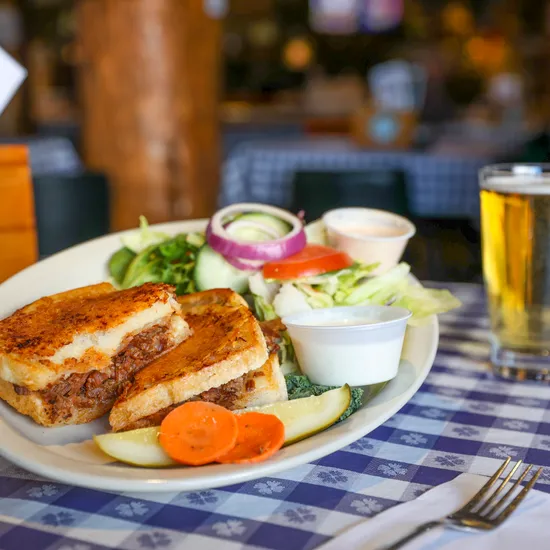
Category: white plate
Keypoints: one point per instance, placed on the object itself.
(67, 454)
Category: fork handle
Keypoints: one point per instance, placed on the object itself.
(416, 533)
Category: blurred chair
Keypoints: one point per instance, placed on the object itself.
(536, 149)
(446, 250)
(70, 210)
(317, 192)
(18, 248)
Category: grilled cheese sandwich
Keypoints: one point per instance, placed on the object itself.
(64, 358)
(225, 361)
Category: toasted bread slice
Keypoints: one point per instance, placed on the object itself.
(255, 388)
(227, 343)
(263, 386)
(80, 330)
(193, 303)
(64, 358)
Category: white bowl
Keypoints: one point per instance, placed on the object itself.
(369, 235)
(358, 345)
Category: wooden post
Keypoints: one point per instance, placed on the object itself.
(150, 72)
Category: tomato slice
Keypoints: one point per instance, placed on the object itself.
(313, 260)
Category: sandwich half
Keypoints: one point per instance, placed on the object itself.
(199, 301)
(226, 361)
(64, 358)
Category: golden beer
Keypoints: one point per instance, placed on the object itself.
(515, 225)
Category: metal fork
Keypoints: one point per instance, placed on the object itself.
(481, 513)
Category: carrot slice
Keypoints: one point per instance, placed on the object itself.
(198, 432)
(260, 437)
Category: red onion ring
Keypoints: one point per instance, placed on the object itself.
(276, 249)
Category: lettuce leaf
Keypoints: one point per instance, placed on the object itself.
(317, 299)
(138, 241)
(264, 310)
(381, 289)
(355, 286)
(424, 302)
(290, 300)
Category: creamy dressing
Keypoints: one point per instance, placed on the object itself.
(369, 236)
(372, 230)
(355, 345)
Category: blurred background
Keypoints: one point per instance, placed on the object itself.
(172, 108)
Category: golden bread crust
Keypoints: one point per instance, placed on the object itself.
(226, 343)
(32, 336)
(193, 303)
(41, 328)
(259, 387)
(268, 385)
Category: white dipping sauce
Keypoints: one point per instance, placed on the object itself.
(369, 235)
(358, 346)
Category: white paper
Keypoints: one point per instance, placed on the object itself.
(527, 527)
(12, 75)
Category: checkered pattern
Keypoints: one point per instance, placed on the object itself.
(439, 186)
(461, 420)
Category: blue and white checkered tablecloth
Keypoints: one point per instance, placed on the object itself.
(439, 186)
(461, 420)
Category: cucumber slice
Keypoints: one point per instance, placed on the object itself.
(316, 233)
(280, 226)
(251, 231)
(307, 416)
(302, 418)
(212, 271)
(137, 447)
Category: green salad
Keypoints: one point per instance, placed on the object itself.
(190, 263)
(154, 257)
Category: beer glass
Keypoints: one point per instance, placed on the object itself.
(515, 227)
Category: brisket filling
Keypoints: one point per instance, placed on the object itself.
(87, 389)
(224, 396)
(227, 394)
(273, 334)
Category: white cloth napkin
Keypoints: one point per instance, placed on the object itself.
(528, 528)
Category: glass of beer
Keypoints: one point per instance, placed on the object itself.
(515, 230)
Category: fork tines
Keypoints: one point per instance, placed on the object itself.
(489, 506)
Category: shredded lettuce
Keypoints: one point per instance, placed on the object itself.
(379, 290)
(138, 241)
(356, 286)
(264, 310)
(317, 299)
(260, 287)
(287, 356)
(424, 302)
(290, 300)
